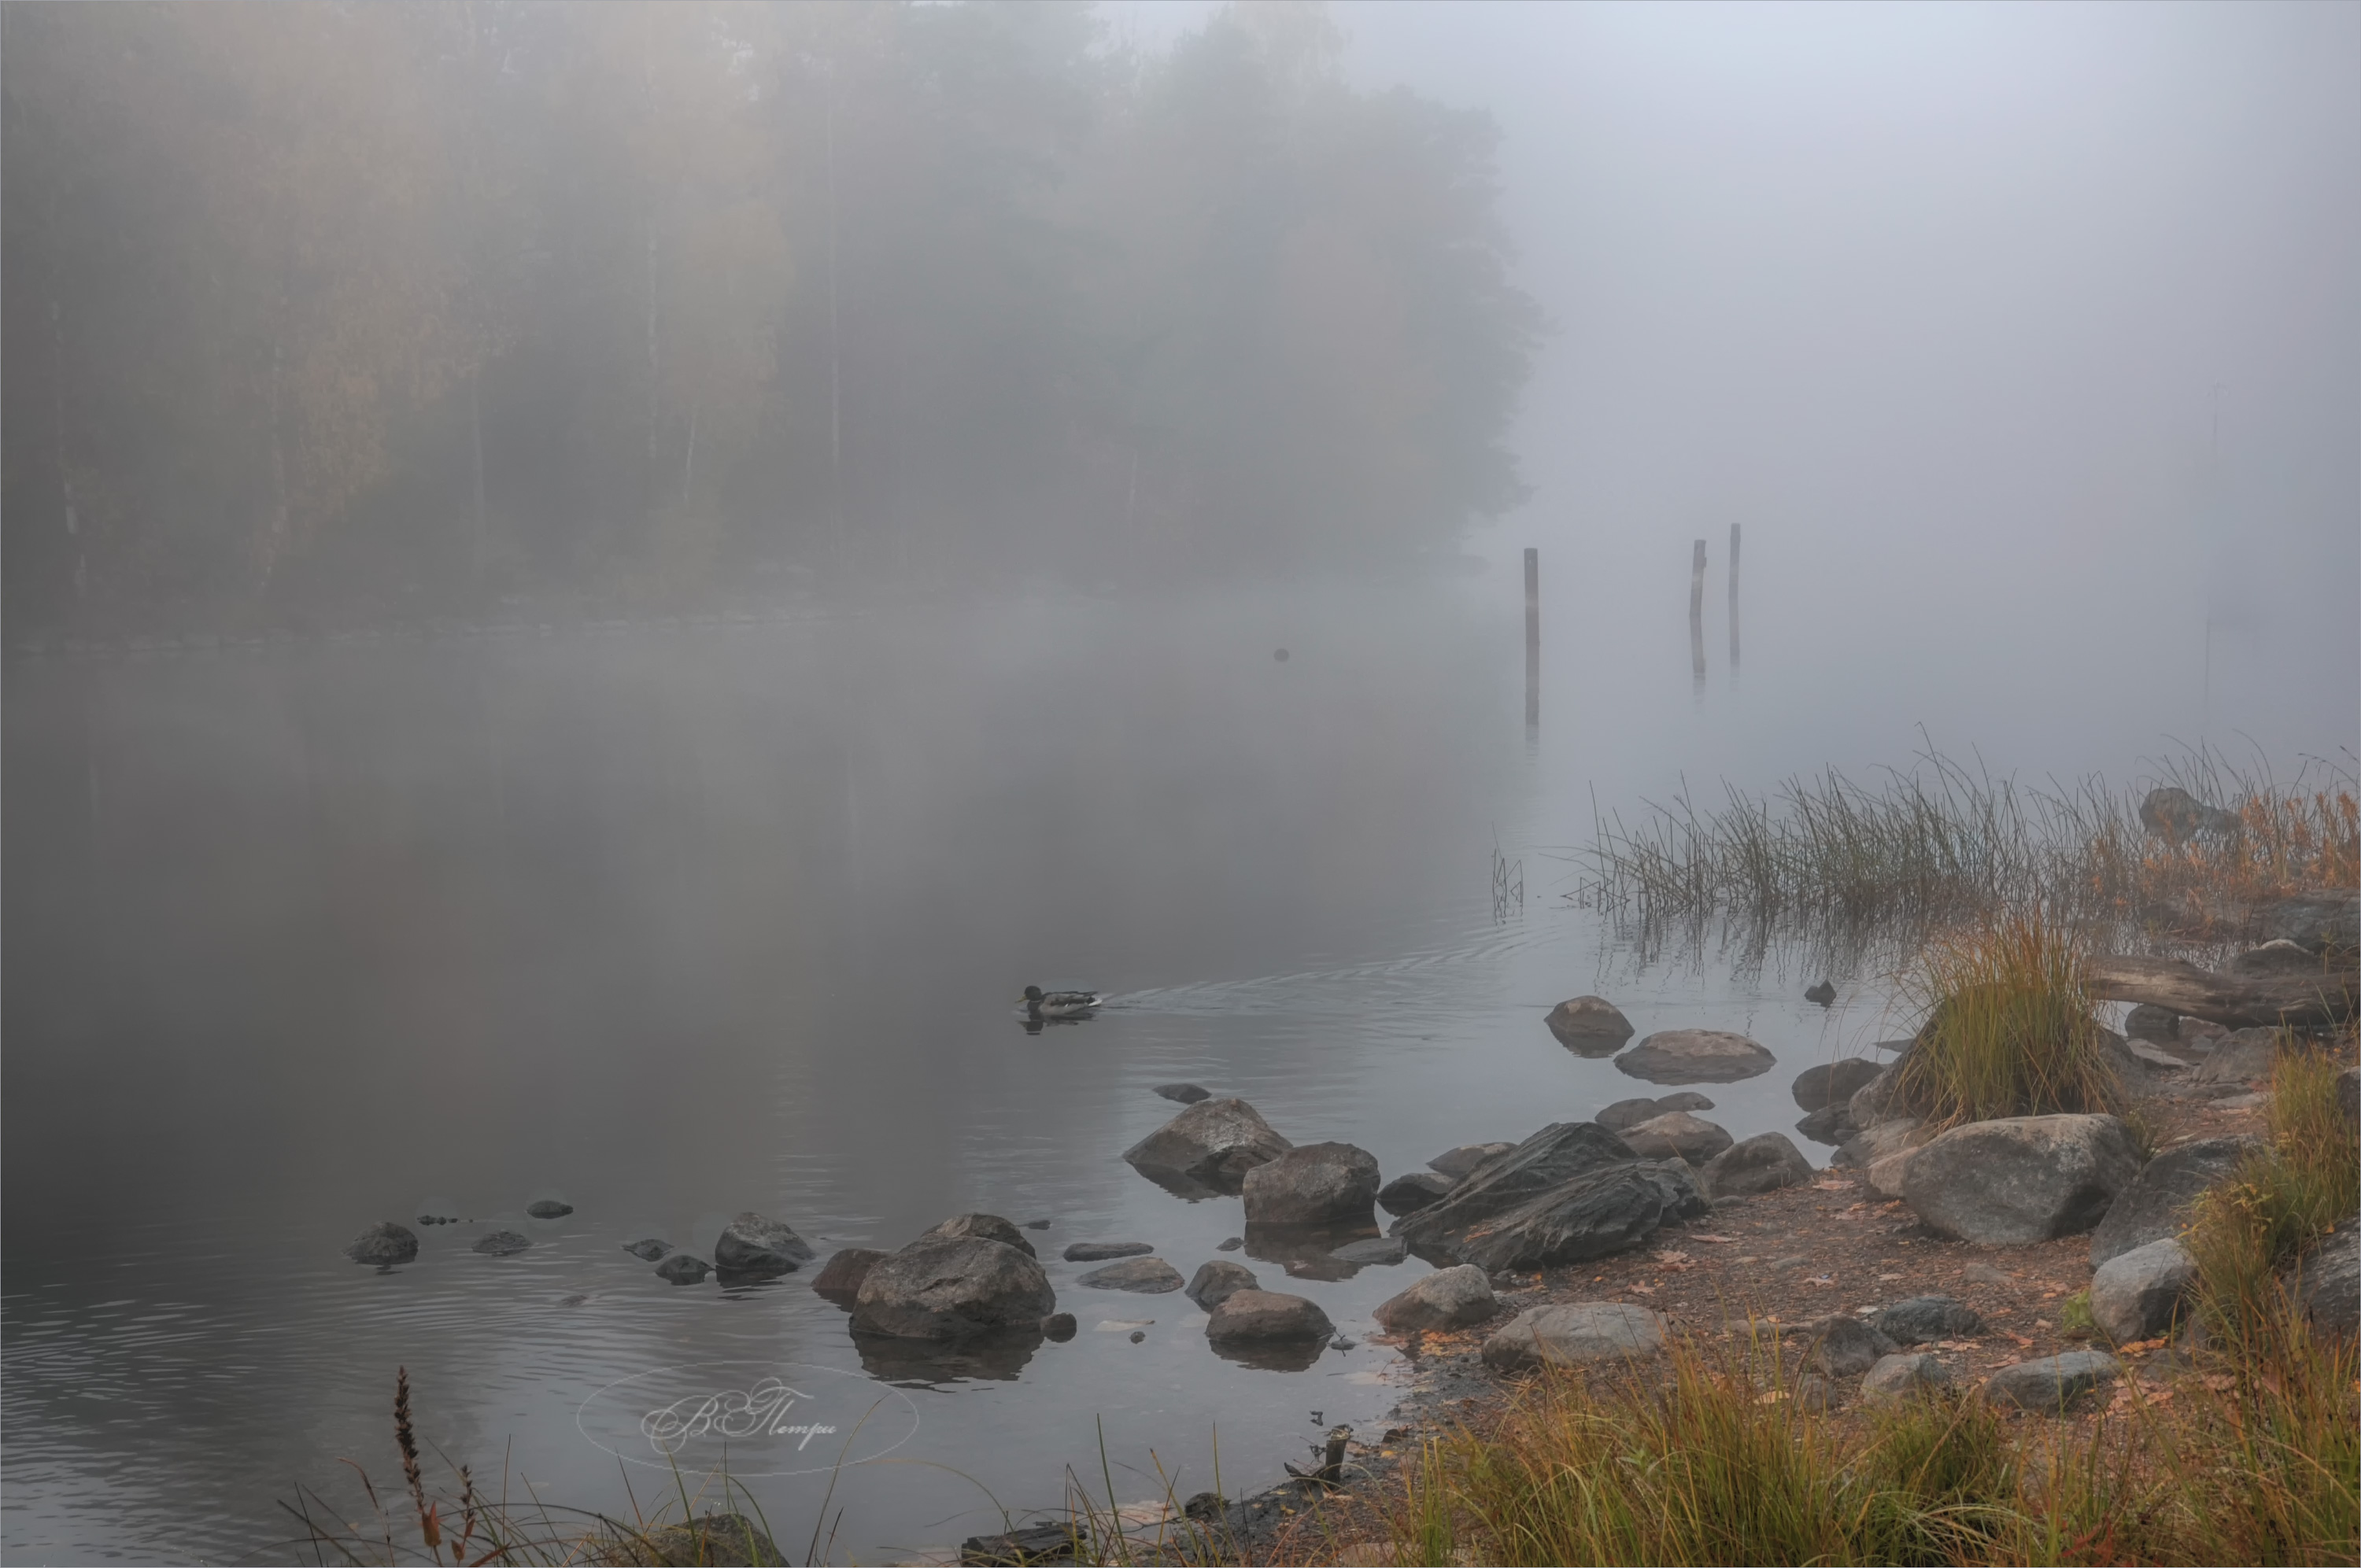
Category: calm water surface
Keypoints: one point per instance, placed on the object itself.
(671, 922)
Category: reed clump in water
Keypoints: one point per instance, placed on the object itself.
(2010, 1030)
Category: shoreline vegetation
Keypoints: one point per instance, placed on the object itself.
(2227, 1428)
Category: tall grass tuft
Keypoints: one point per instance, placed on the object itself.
(2009, 1031)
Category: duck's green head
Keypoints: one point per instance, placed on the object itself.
(1032, 993)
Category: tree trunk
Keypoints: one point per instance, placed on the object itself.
(2235, 1002)
(475, 426)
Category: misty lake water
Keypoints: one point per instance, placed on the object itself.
(672, 921)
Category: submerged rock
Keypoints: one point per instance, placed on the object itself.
(1376, 1250)
(683, 1270)
(502, 1243)
(1101, 1252)
(1315, 1184)
(384, 1244)
(1574, 1333)
(1589, 1026)
(2021, 1179)
(647, 1249)
(1448, 1299)
(1148, 1276)
(1695, 1055)
(548, 1209)
(990, 1227)
(942, 1287)
(758, 1248)
(1209, 1146)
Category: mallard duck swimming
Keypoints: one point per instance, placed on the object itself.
(1040, 1004)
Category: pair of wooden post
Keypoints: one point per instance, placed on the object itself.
(1696, 610)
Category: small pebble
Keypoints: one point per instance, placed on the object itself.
(1139, 1336)
(1232, 1245)
(1340, 1342)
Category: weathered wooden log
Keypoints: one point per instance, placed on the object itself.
(2235, 1002)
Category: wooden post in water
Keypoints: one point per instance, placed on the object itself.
(1733, 601)
(1696, 616)
(1533, 638)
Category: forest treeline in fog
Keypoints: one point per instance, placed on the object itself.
(333, 313)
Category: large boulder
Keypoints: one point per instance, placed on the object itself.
(1589, 1026)
(2136, 1295)
(2050, 1383)
(2327, 1282)
(1678, 1136)
(840, 1278)
(1314, 1184)
(2155, 1204)
(942, 1287)
(1266, 1315)
(384, 1244)
(1448, 1299)
(1832, 1083)
(990, 1227)
(1556, 1154)
(756, 1247)
(1574, 1333)
(2278, 956)
(1216, 1281)
(1762, 1163)
(1604, 1211)
(1458, 1163)
(2021, 1179)
(1210, 1146)
(1925, 1317)
(1148, 1276)
(1413, 1190)
(1695, 1055)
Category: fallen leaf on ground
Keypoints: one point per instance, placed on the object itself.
(1716, 1239)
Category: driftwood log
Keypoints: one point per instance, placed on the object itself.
(2233, 1001)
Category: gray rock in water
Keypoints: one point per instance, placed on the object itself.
(548, 1209)
(1553, 1156)
(1216, 1280)
(2150, 1022)
(840, 1278)
(1922, 1319)
(502, 1243)
(1828, 1125)
(1589, 1026)
(1832, 1083)
(992, 1227)
(2155, 1204)
(2136, 1295)
(1763, 1163)
(384, 1244)
(758, 1247)
(2052, 1382)
(1625, 1114)
(1460, 1163)
(715, 1539)
(1314, 1184)
(944, 1289)
(1902, 1374)
(648, 1249)
(1210, 1147)
(1454, 1298)
(1574, 1333)
(1678, 1136)
(1413, 1190)
(2327, 1282)
(2279, 956)
(1682, 1100)
(1376, 1251)
(1268, 1315)
(1148, 1276)
(1101, 1252)
(683, 1270)
(1846, 1347)
(1229, 1244)
(1695, 1055)
(1823, 993)
(1186, 1093)
(1060, 1327)
(2021, 1179)
(1036, 1225)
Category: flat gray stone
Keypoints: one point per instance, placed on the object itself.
(2136, 1295)
(1148, 1276)
(1184, 1093)
(1376, 1250)
(502, 1243)
(2155, 1204)
(681, 1269)
(2052, 1382)
(1695, 1055)
(1922, 1319)
(1904, 1373)
(1574, 1333)
(648, 1249)
(2020, 1179)
(1454, 1297)
(1101, 1252)
(1460, 1163)
(548, 1209)
(1590, 1026)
